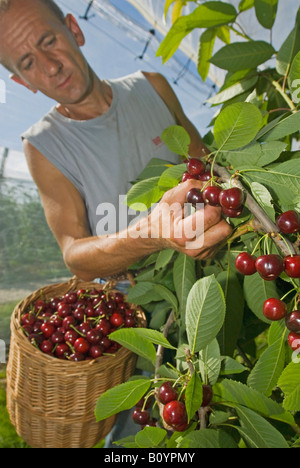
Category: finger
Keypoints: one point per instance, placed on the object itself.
(210, 239)
(196, 224)
(179, 193)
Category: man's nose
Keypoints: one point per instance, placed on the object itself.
(51, 66)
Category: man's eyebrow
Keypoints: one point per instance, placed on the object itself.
(38, 44)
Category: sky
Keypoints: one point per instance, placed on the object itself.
(112, 52)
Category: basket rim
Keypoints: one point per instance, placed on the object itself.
(71, 285)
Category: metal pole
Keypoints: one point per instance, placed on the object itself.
(3, 160)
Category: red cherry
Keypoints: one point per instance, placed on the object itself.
(70, 298)
(293, 321)
(129, 322)
(28, 319)
(40, 306)
(245, 264)
(81, 345)
(47, 347)
(68, 322)
(64, 309)
(140, 417)
(94, 336)
(195, 167)
(47, 329)
(269, 267)
(232, 199)
(116, 320)
(228, 213)
(207, 395)
(71, 336)
(174, 413)
(194, 197)
(292, 266)
(95, 351)
(274, 309)
(288, 222)
(205, 177)
(57, 337)
(294, 340)
(211, 195)
(187, 176)
(79, 313)
(77, 357)
(167, 393)
(104, 326)
(62, 351)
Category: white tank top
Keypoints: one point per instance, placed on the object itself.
(102, 156)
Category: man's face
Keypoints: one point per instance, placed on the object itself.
(43, 52)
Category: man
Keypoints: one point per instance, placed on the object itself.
(94, 141)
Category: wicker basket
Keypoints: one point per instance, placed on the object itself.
(51, 402)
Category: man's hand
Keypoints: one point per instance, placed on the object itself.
(198, 234)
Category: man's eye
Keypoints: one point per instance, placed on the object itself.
(51, 41)
(28, 65)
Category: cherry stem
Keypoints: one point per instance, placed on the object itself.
(260, 240)
(289, 292)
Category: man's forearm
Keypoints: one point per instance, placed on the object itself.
(103, 256)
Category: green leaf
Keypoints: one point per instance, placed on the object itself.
(287, 126)
(208, 439)
(153, 336)
(258, 432)
(205, 313)
(143, 194)
(268, 368)
(256, 292)
(121, 398)
(167, 295)
(293, 78)
(235, 302)
(131, 339)
(210, 362)
(171, 177)
(142, 293)
(231, 366)
(164, 258)
(289, 382)
(270, 152)
(208, 15)
(237, 125)
(154, 168)
(283, 182)
(150, 437)
(177, 139)
(289, 49)
(184, 276)
(234, 90)
(193, 395)
(242, 55)
(206, 47)
(246, 5)
(266, 11)
(233, 393)
(264, 199)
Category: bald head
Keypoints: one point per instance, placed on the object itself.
(5, 5)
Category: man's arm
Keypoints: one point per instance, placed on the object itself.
(91, 257)
(160, 84)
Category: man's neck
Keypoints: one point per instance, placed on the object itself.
(97, 102)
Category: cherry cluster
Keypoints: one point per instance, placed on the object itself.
(268, 266)
(174, 411)
(230, 200)
(76, 326)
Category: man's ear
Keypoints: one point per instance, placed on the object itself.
(75, 29)
(20, 81)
